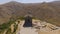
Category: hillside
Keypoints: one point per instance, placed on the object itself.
(49, 12)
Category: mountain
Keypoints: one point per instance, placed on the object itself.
(49, 12)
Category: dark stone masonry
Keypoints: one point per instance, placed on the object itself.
(28, 22)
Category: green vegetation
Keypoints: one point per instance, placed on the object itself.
(9, 31)
(6, 26)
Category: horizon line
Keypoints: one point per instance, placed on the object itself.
(26, 2)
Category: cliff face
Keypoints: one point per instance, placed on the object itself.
(49, 12)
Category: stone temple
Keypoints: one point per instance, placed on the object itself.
(28, 20)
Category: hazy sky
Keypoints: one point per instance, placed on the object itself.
(25, 1)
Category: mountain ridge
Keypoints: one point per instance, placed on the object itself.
(47, 11)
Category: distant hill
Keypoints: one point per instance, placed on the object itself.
(49, 12)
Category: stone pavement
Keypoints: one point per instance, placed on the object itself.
(28, 30)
